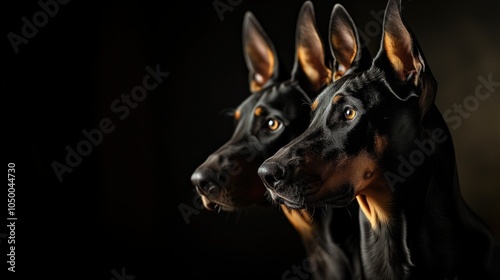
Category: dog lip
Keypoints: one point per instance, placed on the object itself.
(308, 183)
(273, 194)
(212, 205)
(293, 205)
(284, 200)
(342, 199)
(339, 199)
(209, 205)
(198, 190)
(310, 190)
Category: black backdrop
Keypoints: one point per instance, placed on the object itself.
(119, 207)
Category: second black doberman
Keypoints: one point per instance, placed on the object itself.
(378, 138)
(277, 111)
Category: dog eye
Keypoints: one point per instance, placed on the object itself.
(349, 113)
(274, 124)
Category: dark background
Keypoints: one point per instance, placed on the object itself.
(120, 207)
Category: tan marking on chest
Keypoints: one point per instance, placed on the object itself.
(375, 201)
(300, 220)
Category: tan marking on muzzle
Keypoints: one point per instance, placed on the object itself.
(350, 170)
(370, 187)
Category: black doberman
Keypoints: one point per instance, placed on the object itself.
(277, 111)
(377, 137)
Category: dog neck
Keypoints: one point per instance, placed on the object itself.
(330, 260)
(384, 250)
(375, 201)
(433, 204)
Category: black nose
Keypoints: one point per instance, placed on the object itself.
(202, 179)
(271, 173)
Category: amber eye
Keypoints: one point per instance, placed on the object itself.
(274, 124)
(349, 113)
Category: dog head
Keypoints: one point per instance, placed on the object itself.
(359, 125)
(277, 111)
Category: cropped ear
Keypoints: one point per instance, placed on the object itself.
(309, 68)
(259, 52)
(401, 53)
(345, 44)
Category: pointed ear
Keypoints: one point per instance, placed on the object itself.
(259, 52)
(309, 67)
(400, 52)
(345, 44)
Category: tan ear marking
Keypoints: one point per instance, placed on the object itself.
(394, 54)
(271, 63)
(305, 55)
(309, 50)
(345, 44)
(400, 54)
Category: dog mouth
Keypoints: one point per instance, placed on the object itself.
(315, 197)
(232, 201)
(280, 199)
(212, 205)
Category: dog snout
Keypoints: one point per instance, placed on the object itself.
(203, 180)
(272, 174)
